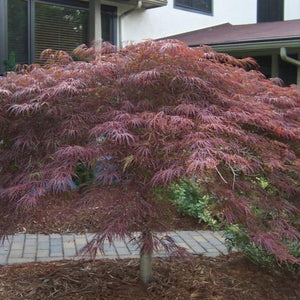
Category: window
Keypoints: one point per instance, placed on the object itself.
(17, 27)
(269, 10)
(195, 5)
(59, 28)
(109, 23)
(27, 27)
(33, 26)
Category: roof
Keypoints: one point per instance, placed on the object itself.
(229, 34)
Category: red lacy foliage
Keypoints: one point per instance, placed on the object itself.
(159, 111)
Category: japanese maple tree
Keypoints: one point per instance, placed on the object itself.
(148, 115)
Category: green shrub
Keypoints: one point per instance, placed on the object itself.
(10, 63)
(192, 201)
(84, 175)
(265, 184)
(236, 237)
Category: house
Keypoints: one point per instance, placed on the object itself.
(29, 26)
(257, 28)
(274, 45)
(180, 16)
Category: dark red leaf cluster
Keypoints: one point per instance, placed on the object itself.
(155, 111)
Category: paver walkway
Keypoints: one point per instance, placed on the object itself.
(23, 248)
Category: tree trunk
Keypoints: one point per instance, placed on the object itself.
(146, 267)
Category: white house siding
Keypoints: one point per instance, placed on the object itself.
(165, 21)
(291, 9)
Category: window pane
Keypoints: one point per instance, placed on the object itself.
(186, 3)
(109, 23)
(200, 5)
(269, 10)
(59, 28)
(18, 29)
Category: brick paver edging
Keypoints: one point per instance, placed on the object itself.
(23, 248)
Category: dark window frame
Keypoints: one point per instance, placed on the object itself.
(194, 9)
(263, 13)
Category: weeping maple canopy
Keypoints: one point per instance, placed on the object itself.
(152, 113)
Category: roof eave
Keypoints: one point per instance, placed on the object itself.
(255, 45)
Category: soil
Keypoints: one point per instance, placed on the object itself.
(73, 213)
(227, 277)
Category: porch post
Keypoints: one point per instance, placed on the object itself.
(3, 33)
(95, 32)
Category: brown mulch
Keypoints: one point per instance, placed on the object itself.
(228, 277)
(72, 213)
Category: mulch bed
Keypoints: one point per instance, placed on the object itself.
(71, 213)
(227, 277)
